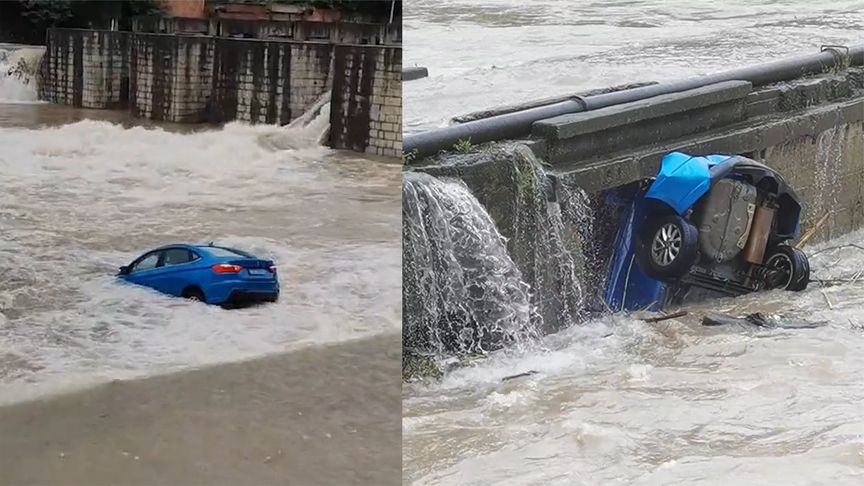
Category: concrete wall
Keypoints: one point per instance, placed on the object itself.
(191, 78)
(86, 68)
(811, 130)
(366, 109)
(334, 32)
(268, 82)
(171, 77)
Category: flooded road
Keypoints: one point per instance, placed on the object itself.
(80, 199)
(618, 400)
(487, 53)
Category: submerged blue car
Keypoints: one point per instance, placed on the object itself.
(705, 226)
(207, 273)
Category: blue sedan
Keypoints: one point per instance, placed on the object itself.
(207, 273)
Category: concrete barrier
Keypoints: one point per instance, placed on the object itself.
(194, 78)
(412, 73)
(171, 77)
(86, 68)
(366, 107)
(268, 82)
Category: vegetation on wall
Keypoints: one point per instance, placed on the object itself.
(27, 20)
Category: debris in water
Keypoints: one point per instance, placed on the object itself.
(674, 315)
(520, 375)
(759, 320)
(812, 231)
(827, 300)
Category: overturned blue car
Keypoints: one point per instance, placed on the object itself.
(705, 226)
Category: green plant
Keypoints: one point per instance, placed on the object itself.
(463, 146)
(525, 172)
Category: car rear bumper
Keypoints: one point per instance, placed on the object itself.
(241, 297)
(234, 290)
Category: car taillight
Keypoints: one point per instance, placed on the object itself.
(272, 269)
(226, 268)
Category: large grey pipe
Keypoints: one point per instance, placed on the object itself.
(514, 125)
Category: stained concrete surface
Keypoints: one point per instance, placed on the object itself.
(323, 415)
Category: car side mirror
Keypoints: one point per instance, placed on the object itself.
(124, 270)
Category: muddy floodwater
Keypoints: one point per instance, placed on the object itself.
(617, 400)
(96, 376)
(81, 199)
(620, 401)
(486, 53)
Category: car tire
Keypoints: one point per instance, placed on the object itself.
(667, 247)
(194, 294)
(793, 264)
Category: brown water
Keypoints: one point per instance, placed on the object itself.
(85, 191)
(79, 199)
(617, 400)
(485, 53)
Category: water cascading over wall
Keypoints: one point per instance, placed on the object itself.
(539, 226)
(19, 74)
(461, 290)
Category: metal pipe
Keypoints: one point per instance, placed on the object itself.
(517, 124)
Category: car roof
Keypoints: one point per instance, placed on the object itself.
(190, 246)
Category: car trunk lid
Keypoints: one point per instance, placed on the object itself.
(254, 268)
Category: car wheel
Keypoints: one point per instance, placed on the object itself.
(668, 247)
(194, 294)
(790, 268)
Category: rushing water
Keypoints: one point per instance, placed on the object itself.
(618, 400)
(485, 53)
(79, 200)
(18, 66)
(462, 291)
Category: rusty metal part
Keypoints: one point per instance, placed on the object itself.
(763, 218)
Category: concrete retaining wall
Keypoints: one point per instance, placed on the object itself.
(171, 77)
(268, 82)
(190, 78)
(366, 108)
(86, 68)
(811, 130)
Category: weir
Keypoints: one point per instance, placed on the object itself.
(802, 116)
(207, 79)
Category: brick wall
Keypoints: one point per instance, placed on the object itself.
(366, 105)
(171, 77)
(188, 78)
(86, 68)
(268, 81)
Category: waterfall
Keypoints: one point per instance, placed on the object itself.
(493, 252)
(462, 292)
(19, 74)
(552, 223)
(311, 129)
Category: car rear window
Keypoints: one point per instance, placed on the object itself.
(218, 251)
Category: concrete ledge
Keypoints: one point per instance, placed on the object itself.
(412, 73)
(644, 124)
(624, 169)
(575, 124)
